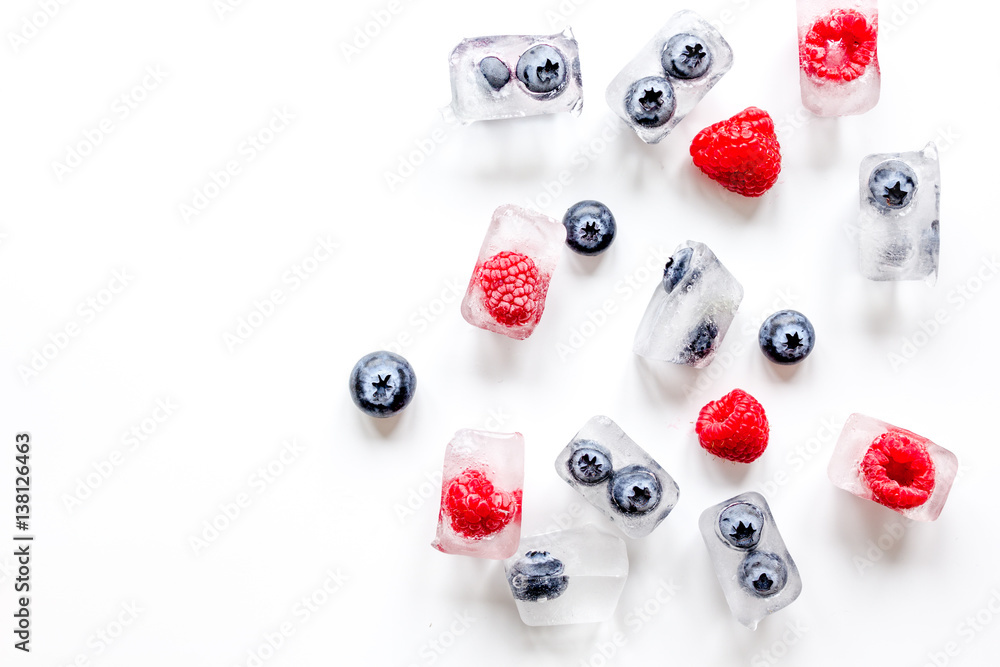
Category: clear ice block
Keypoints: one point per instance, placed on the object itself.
(506, 293)
(669, 76)
(755, 570)
(510, 76)
(897, 473)
(569, 576)
(691, 310)
(618, 477)
(838, 56)
(481, 490)
(899, 230)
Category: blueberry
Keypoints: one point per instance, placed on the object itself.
(786, 337)
(382, 384)
(686, 57)
(892, 184)
(496, 72)
(740, 525)
(537, 576)
(589, 463)
(650, 101)
(542, 69)
(676, 268)
(763, 574)
(635, 489)
(590, 227)
(701, 342)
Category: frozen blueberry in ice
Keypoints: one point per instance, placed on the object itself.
(740, 524)
(686, 57)
(382, 384)
(495, 71)
(590, 227)
(676, 268)
(541, 69)
(635, 490)
(892, 185)
(701, 343)
(590, 463)
(786, 337)
(537, 576)
(650, 101)
(763, 574)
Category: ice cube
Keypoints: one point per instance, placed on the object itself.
(755, 570)
(838, 56)
(691, 310)
(899, 231)
(618, 477)
(893, 467)
(509, 76)
(568, 576)
(669, 76)
(481, 489)
(507, 290)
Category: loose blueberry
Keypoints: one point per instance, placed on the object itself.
(701, 343)
(495, 71)
(650, 101)
(763, 574)
(892, 184)
(676, 268)
(589, 463)
(686, 57)
(740, 525)
(541, 69)
(635, 490)
(382, 384)
(590, 227)
(537, 576)
(786, 337)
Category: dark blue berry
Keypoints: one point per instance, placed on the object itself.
(589, 463)
(763, 574)
(537, 576)
(635, 490)
(382, 384)
(496, 72)
(701, 342)
(892, 184)
(676, 268)
(542, 69)
(740, 525)
(686, 57)
(650, 101)
(786, 337)
(590, 227)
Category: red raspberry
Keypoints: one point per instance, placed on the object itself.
(733, 427)
(741, 153)
(514, 291)
(898, 470)
(839, 46)
(476, 508)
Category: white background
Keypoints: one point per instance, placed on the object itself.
(358, 500)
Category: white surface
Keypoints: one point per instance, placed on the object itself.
(403, 261)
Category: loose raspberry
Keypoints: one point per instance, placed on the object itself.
(476, 508)
(733, 427)
(514, 291)
(898, 470)
(741, 153)
(839, 46)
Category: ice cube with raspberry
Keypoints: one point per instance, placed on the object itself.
(753, 566)
(567, 576)
(506, 293)
(838, 56)
(671, 73)
(615, 475)
(893, 467)
(690, 312)
(481, 488)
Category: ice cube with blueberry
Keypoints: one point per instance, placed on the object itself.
(690, 310)
(838, 56)
(669, 76)
(506, 293)
(755, 570)
(893, 467)
(618, 477)
(567, 576)
(481, 489)
(899, 228)
(508, 76)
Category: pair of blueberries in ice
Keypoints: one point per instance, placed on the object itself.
(537, 576)
(634, 489)
(676, 271)
(650, 101)
(761, 573)
(542, 70)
